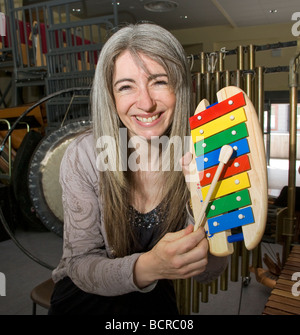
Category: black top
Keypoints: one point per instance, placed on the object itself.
(146, 227)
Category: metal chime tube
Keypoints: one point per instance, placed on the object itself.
(249, 90)
(251, 57)
(213, 78)
(207, 87)
(187, 294)
(214, 286)
(290, 221)
(249, 75)
(256, 257)
(260, 95)
(202, 62)
(183, 293)
(234, 265)
(217, 82)
(196, 300)
(204, 292)
(227, 80)
(224, 280)
(199, 79)
(240, 66)
(198, 88)
(245, 262)
(181, 296)
(238, 79)
(177, 291)
(240, 57)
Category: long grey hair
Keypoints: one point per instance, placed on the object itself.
(161, 46)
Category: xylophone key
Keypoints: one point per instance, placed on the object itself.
(230, 220)
(235, 238)
(224, 137)
(216, 110)
(229, 203)
(227, 186)
(240, 147)
(235, 166)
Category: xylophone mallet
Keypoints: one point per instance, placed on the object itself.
(225, 154)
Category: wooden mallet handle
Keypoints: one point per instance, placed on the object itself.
(225, 154)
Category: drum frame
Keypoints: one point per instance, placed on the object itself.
(36, 190)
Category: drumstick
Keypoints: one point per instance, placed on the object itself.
(225, 154)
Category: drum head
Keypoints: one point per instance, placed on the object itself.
(44, 187)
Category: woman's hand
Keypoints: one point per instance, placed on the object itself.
(178, 255)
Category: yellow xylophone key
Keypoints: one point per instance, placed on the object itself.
(227, 186)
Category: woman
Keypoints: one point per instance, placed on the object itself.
(127, 231)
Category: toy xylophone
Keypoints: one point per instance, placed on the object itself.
(228, 194)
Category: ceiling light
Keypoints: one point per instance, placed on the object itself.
(273, 11)
(161, 6)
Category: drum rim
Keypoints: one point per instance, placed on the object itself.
(36, 193)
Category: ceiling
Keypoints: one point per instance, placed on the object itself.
(193, 13)
(200, 13)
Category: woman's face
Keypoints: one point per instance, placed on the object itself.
(145, 101)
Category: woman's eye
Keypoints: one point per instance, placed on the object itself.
(124, 88)
(161, 82)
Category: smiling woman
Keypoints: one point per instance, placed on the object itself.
(127, 231)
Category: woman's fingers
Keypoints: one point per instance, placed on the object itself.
(187, 241)
(169, 237)
(191, 252)
(195, 259)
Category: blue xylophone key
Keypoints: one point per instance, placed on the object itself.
(235, 238)
(230, 220)
(213, 104)
(240, 147)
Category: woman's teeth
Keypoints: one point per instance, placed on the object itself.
(147, 120)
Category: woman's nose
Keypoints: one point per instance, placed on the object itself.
(145, 101)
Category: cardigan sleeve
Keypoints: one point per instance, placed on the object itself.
(86, 255)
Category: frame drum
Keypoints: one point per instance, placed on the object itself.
(44, 187)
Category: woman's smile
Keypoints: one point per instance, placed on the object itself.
(147, 119)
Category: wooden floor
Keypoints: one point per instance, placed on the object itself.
(285, 297)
